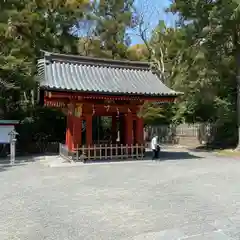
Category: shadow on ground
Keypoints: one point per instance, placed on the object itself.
(168, 155)
(5, 167)
(25, 158)
(163, 156)
(206, 148)
(5, 163)
(173, 155)
(2, 169)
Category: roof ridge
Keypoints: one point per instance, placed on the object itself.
(93, 61)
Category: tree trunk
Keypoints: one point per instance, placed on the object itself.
(238, 94)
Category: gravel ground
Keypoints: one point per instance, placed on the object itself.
(182, 198)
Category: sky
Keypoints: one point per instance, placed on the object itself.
(153, 11)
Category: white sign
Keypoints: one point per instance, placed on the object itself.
(4, 133)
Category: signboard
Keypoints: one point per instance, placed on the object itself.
(4, 133)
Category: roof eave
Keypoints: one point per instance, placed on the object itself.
(170, 95)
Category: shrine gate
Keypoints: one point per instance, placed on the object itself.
(86, 88)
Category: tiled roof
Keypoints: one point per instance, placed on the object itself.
(77, 73)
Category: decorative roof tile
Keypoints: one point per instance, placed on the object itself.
(84, 74)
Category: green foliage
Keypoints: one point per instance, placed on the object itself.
(200, 58)
(153, 114)
(36, 127)
(26, 27)
(106, 35)
(29, 26)
(208, 67)
(138, 52)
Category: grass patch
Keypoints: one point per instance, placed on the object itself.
(228, 153)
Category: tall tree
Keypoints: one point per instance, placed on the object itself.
(213, 67)
(112, 19)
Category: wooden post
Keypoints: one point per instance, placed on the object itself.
(83, 153)
(121, 151)
(132, 153)
(111, 151)
(137, 151)
(142, 151)
(100, 152)
(95, 152)
(106, 151)
(77, 154)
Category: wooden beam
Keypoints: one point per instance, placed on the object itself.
(87, 96)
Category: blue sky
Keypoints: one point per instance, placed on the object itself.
(153, 11)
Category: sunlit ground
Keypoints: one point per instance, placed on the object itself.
(180, 197)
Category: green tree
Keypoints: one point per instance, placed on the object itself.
(26, 27)
(209, 65)
(201, 57)
(138, 52)
(164, 51)
(112, 19)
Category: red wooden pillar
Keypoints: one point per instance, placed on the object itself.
(77, 131)
(122, 128)
(114, 129)
(129, 129)
(74, 128)
(139, 130)
(88, 118)
(69, 132)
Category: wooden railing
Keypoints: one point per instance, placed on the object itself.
(109, 152)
